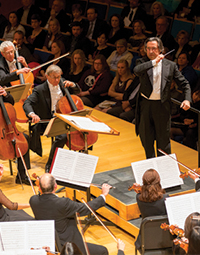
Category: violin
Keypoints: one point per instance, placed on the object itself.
(184, 244)
(174, 230)
(136, 187)
(69, 104)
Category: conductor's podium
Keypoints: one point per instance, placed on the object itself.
(121, 206)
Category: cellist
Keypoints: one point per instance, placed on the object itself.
(9, 99)
(41, 104)
(8, 68)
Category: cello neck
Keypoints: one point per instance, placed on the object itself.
(19, 66)
(67, 94)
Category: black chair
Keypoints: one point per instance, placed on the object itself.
(155, 240)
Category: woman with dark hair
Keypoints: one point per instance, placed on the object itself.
(77, 67)
(53, 35)
(138, 35)
(101, 47)
(37, 36)
(117, 30)
(95, 82)
(186, 69)
(12, 27)
(57, 49)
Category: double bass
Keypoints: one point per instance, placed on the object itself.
(69, 104)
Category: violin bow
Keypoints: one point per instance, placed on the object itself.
(188, 168)
(91, 210)
(82, 233)
(49, 62)
(22, 158)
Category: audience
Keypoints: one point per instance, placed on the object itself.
(77, 16)
(13, 25)
(53, 35)
(182, 39)
(188, 9)
(138, 35)
(95, 82)
(3, 23)
(77, 66)
(37, 36)
(141, 54)
(101, 47)
(117, 30)
(157, 10)
(121, 52)
(57, 12)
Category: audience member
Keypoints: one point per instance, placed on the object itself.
(189, 129)
(25, 13)
(77, 40)
(138, 35)
(53, 35)
(3, 23)
(141, 54)
(188, 9)
(13, 25)
(121, 52)
(95, 25)
(151, 199)
(95, 82)
(157, 10)
(182, 39)
(117, 30)
(57, 12)
(77, 67)
(186, 69)
(133, 12)
(101, 47)
(194, 239)
(22, 49)
(163, 33)
(77, 16)
(121, 82)
(37, 36)
(57, 49)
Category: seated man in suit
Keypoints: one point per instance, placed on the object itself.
(50, 207)
(41, 104)
(95, 25)
(8, 67)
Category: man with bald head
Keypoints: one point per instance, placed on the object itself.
(48, 206)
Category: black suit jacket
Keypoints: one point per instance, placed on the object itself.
(168, 40)
(100, 26)
(144, 69)
(62, 210)
(5, 76)
(33, 10)
(139, 15)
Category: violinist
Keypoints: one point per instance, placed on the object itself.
(48, 206)
(21, 171)
(41, 104)
(151, 199)
(8, 68)
(10, 213)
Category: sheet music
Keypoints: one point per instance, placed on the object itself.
(22, 235)
(167, 168)
(179, 207)
(87, 124)
(74, 167)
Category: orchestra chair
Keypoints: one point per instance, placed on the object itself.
(102, 8)
(155, 240)
(179, 24)
(114, 9)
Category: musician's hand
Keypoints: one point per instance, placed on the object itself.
(22, 60)
(23, 70)
(35, 118)
(120, 245)
(83, 93)
(188, 121)
(68, 84)
(46, 248)
(185, 105)
(105, 189)
(159, 57)
(2, 92)
(193, 175)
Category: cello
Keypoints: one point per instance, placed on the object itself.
(69, 104)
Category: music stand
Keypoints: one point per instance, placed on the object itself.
(19, 91)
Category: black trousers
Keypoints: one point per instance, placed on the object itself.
(154, 125)
(20, 165)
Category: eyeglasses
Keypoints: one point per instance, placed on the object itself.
(55, 77)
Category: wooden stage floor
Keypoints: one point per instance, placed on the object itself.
(114, 152)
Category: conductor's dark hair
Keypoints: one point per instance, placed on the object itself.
(154, 39)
